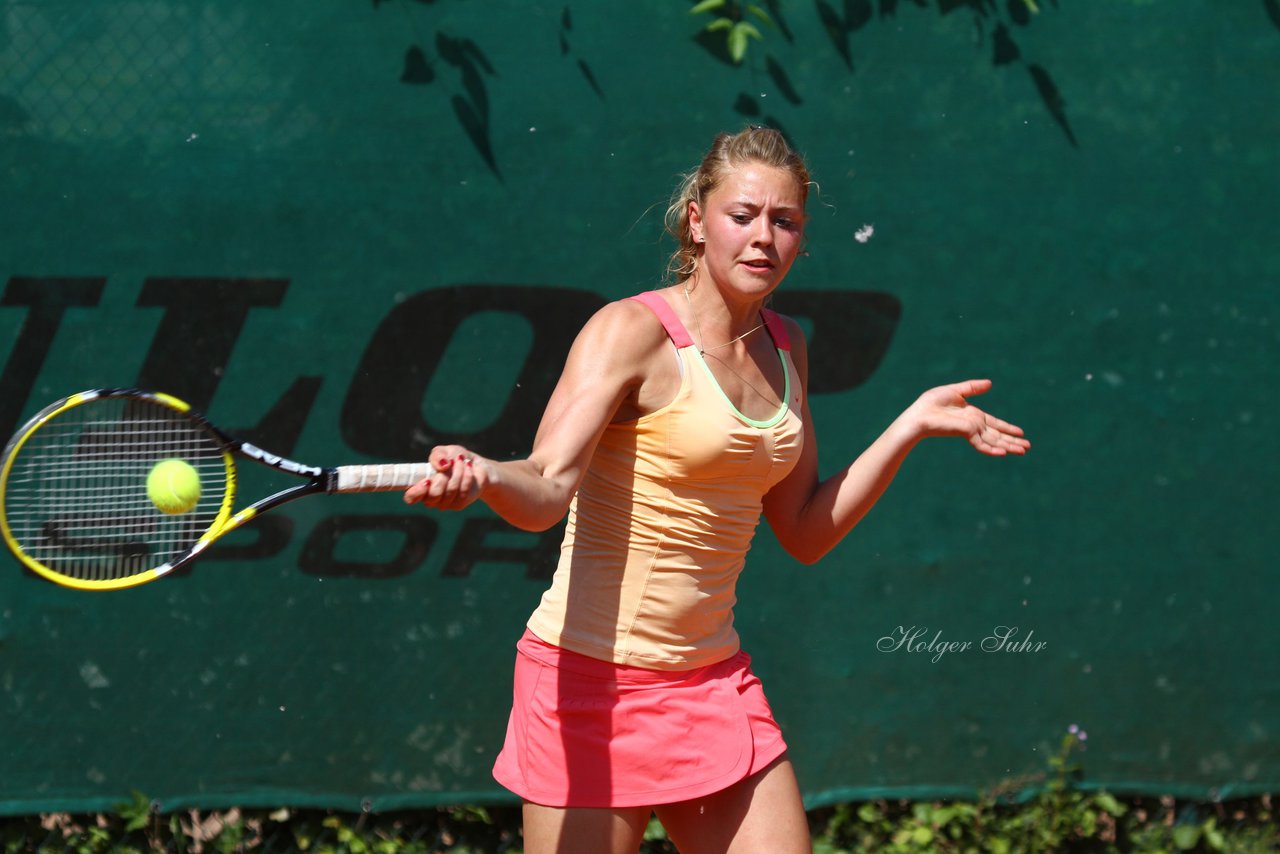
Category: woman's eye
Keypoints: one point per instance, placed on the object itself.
(742, 219)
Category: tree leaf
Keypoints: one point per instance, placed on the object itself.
(1186, 836)
(654, 831)
(707, 6)
(1109, 803)
(760, 13)
(737, 43)
(719, 24)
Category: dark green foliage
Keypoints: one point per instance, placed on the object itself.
(1084, 822)
(1052, 812)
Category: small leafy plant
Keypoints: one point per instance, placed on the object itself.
(730, 18)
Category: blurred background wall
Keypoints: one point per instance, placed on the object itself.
(350, 230)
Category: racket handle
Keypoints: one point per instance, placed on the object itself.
(381, 478)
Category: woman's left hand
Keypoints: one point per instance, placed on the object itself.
(946, 411)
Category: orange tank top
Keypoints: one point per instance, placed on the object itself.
(659, 529)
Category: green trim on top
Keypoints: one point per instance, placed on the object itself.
(786, 391)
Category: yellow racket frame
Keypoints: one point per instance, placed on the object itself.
(218, 526)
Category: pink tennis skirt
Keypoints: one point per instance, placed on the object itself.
(589, 733)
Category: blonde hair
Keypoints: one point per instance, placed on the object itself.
(751, 145)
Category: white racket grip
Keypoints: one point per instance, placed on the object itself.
(381, 478)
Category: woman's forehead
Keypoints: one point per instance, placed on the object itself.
(759, 182)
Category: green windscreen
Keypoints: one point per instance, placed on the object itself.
(350, 231)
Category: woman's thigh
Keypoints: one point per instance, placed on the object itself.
(570, 830)
(762, 814)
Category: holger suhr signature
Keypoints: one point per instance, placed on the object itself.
(917, 639)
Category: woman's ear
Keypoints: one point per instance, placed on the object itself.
(695, 222)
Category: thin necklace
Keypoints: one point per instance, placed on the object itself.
(702, 351)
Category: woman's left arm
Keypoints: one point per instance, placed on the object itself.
(809, 516)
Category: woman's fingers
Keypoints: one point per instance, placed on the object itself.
(996, 437)
(454, 484)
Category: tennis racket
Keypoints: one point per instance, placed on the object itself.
(74, 503)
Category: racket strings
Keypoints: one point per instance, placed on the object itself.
(77, 498)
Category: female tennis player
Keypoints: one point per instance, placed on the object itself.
(680, 418)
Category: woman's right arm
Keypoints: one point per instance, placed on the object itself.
(608, 364)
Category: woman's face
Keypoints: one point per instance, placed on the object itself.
(750, 229)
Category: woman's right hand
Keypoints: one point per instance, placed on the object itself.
(460, 476)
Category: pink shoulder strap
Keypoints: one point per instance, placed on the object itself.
(679, 335)
(777, 329)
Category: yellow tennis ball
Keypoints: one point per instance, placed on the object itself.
(173, 487)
